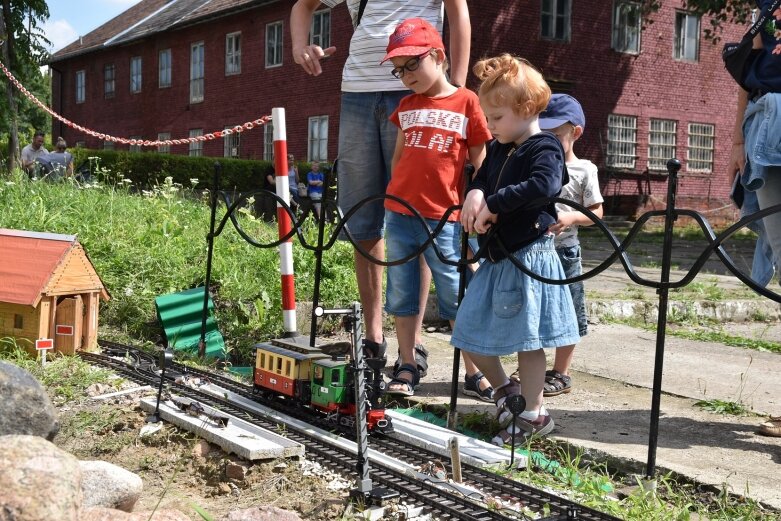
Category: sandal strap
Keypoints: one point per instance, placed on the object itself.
(508, 389)
(407, 368)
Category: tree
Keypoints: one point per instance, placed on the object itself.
(23, 52)
(720, 11)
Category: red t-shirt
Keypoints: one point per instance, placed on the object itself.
(437, 135)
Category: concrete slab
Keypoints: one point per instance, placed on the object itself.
(434, 438)
(238, 437)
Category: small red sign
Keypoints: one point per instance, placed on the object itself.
(44, 343)
(59, 329)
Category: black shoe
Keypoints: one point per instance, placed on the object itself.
(374, 349)
(421, 359)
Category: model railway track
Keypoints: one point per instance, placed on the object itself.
(140, 366)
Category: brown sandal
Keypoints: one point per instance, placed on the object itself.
(771, 427)
(556, 383)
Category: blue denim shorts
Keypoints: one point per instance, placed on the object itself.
(570, 261)
(505, 311)
(405, 235)
(367, 140)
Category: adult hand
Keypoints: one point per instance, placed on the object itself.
(473, 203)
(309, 57)
(737, 160)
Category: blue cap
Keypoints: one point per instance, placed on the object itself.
(562, 108)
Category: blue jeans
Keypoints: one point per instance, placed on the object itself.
(405, 235)
(571, 262)
(367, 140)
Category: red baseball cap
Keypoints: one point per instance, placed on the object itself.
(413, 37)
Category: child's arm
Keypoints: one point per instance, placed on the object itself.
(575, 218)
(477, 155)
(398, 150)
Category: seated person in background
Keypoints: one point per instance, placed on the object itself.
(315, 180)
(32, 152)
(292, 181)
(59, 163)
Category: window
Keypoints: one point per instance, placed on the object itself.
(687, 36)
(232, 53)
(274, 44)
(136, 147)
(108, 145)
(556, 19)
(164, 136)
(196, 73)
(196, 147)
(626, 27)
(661, 143)
(279, 364)
(262, 360)
(320, 33)
(18, 321)
(164, 68)
(109, 85)
(231, 143)
(80, 87)
(135, 74)
(335, 377)
(621, 141)
(699, 156)
(288, 366)
(268, 141)
(318, 138)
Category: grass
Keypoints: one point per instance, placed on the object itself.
(146, 243)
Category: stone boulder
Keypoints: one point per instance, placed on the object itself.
(38, 481)
(25, 407)
(109, 486)
(109, 514)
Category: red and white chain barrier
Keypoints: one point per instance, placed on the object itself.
(283, 218)
(126, 141)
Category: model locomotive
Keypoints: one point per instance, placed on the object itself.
(322, 382)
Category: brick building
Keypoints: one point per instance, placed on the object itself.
(651, 85)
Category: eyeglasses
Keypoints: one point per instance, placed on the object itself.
(411, 65)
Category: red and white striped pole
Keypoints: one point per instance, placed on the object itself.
(283, 218)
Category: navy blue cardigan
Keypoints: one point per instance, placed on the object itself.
(511, 177)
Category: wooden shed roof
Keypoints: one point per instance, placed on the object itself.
(32, 263)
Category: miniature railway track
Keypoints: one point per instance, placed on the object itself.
(141, 366)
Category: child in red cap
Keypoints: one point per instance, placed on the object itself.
(440, 125)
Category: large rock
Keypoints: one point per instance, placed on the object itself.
(38, 481)
(265, 513)
(109, 486)
(108, 514)
(25, 407)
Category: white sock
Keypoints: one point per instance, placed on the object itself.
(530, 415)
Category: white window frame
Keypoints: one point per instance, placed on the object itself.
(662, 143)
(621, 141)
(197, 70)
(135, 148)
(231, 144)
(81, 86)
(109, 81)
(268, 141)
(274, 44)
(233, 53)
(317, 140)
(320, 31)
(627, 26)
(686, 46)
(164, 68)
(196, 147)
(551, 20)
(136, 74)
(700, 147)
(163, 136)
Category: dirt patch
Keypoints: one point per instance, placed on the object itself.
(177, 474)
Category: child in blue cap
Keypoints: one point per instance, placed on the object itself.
(564, 117)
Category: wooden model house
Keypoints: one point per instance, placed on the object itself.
(48, 289)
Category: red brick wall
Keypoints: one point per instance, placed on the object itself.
(649, 85)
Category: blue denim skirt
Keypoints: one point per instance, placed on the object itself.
(505, 311)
